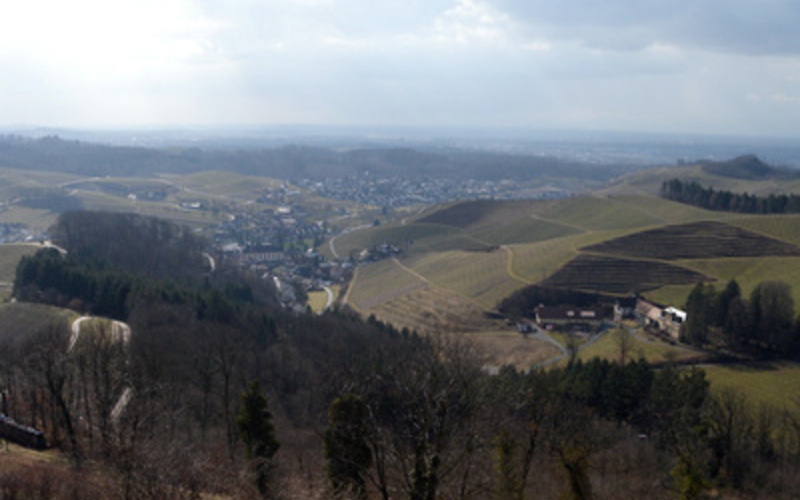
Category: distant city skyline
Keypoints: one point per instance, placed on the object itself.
(678, 67)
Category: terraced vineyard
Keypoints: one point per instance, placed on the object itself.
(620, 276)
(697, 240)
(434, 310)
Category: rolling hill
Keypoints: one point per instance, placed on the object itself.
(618, 240)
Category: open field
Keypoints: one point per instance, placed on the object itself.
(10, 255)
(510, 348)
(369, 289)
(751, 271)
(669, 212)
(524, 230)
(598, 214)
(223, 185)
(38, 220)
(434, 310)
(782, 227)
(474, 215)
(479, 276)
(395, 234)
(774, 384)
(653, 350)
(20, 320)
(317, 299)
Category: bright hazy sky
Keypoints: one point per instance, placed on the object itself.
(697, 66)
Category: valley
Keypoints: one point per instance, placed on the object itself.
(314, 287)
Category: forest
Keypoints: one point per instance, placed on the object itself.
(763, 325)
(692, 193)
(233, 397)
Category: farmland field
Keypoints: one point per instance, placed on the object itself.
(470, 215)
(698, 240)
(511, 348)
(782, 227)
(399, 235)
(653, 350)
(480, 276)
(620, 276)
(774, 384)
(10, 255)
(380, 282)
(669, 212)
(433, 310)
(524, 230)
(598, 214)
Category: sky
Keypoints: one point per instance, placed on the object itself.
(729, 67)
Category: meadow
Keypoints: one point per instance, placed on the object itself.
(776, 384)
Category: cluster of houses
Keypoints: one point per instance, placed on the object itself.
(667, 320)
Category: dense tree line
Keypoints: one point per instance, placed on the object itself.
(693, 193)
(763, 325)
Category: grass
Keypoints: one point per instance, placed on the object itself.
(783, 227)
(593, 214)
(524, 230)
(503, 347)
(379, 282)
(434, 310)
(669, 212)
(10, 255)
(773, 384)
(479, 276)
(653, 350)
(317, 299)
(38, 220)
(395, 234)
(749, 272)
(20, 320)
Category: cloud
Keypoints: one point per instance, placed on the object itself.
(753, 27)
(647, 64)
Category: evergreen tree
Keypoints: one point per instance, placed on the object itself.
(258, 434)
(346, 448)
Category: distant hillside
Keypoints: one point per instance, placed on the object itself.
(293, 162)
(742, 174)
(746, 167)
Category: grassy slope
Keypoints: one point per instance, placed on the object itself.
(653, 350)
(773, 384)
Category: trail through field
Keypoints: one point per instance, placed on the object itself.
(120, 332)
(329, 301)
(332, 241)
(510, 266)
(542, 335)
(212, 264)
